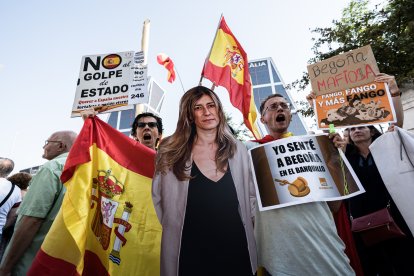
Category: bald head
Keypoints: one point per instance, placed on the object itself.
(67, 137)
(6, 167)
(58, 143)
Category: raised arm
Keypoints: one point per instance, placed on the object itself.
(395, 94)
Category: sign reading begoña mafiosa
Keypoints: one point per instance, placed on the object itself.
(346, 94)
(350, 69)
(111, 82)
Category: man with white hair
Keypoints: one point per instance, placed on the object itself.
(40, 206)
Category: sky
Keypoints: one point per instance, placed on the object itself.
(42, 43)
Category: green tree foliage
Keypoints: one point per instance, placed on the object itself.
(388, 27)
(240, 131)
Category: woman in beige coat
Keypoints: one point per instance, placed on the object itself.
(203, 194)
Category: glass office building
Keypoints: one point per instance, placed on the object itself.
(122, 120)
(266, 80)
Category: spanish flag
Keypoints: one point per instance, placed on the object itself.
(166, 61)
(227, 66)
(107, 224)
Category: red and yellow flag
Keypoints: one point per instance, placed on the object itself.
(166, 61)
(227, 66)
(107, 224)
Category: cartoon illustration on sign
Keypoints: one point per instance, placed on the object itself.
(356, 112)
(297, 188)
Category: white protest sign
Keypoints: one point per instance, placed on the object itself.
(111, 82)
(301, 169)
(139, 88)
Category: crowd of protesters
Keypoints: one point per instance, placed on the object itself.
(205, 200)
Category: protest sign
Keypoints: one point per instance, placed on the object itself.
(350, 69)
(301, 169)
(110, 82)
(139, 90)
(358, 106)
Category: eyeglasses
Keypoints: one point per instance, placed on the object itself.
(275, 106)
(150, 124)
(50, 141)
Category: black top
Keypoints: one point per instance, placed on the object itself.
(213, 240)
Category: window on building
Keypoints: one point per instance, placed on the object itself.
(275, 75)
(282, 91)
(259, 72)
(113, 119)
(260, 94)
(127, 118)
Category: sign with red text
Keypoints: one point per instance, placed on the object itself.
(301, 169)
(350, 69)
(110, 82)
(357, 106)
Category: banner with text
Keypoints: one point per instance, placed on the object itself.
(301, 169)
(363, 105)
(350, 69)
(110, 82)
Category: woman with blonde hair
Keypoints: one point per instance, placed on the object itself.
(203, 193)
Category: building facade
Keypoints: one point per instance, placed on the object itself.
(266, 80)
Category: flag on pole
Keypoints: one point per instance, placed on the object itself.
(107, 224)
(227, 66)
(166, 61)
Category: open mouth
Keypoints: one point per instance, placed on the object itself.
(280, 118)
(147, 136)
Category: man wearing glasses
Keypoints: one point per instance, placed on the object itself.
(299, 239)
(147, 129)
(40, 206)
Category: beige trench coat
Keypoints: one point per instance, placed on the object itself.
(170, 199)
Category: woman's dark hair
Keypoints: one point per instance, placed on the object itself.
(371, 128)
(21, 180)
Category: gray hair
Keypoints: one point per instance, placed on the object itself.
(67, 137)
(6, 166)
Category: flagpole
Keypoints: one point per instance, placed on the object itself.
(179, 77)
(139, 108)
(209, 53)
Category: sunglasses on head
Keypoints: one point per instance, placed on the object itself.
(150, 124)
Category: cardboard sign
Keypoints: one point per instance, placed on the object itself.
(301, 169)
(350, 69)
(358, 106)
(110, 82)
